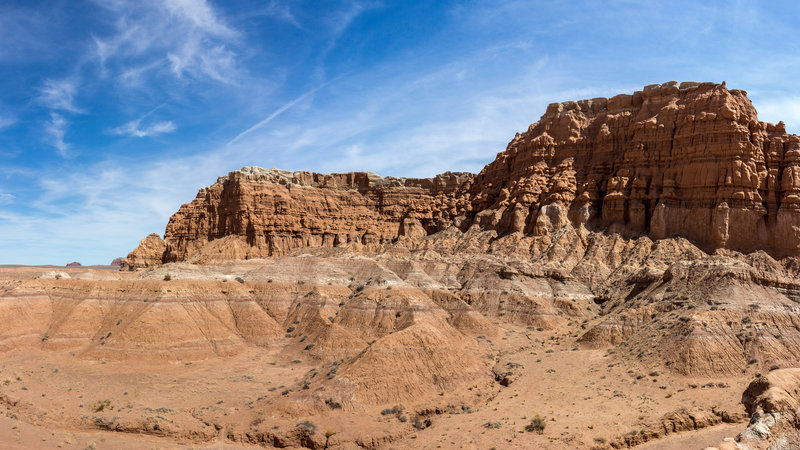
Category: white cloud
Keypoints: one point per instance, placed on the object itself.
(56, 128)
(280, 11)
(200, 15)
(186, 36)
(133, 128)
(59, 95)
(6, 198)
(341, 20)
(216, 63)
(7, 121)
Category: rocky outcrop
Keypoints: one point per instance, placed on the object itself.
(149, 253)
(688, 159)
(272, 212)
(773, 402)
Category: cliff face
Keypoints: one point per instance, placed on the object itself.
(690, 160)
(687, 159)
(272, 212)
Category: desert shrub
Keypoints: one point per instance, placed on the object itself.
(240, 279)
(101, 405)
(309, 346)
(537, 424)
(332, 372)
(307, 427)
(332, 404)
(394, 410)
(290, 329)
(493, 425)
(167, 277)
(421, 423)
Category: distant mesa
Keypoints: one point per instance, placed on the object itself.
(117, 262)
(74, 264)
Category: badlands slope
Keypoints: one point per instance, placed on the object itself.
(618, 277)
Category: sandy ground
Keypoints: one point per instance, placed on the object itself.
(708, 437)
(587, 398)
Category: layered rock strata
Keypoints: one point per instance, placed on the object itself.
(689, 159)
(272, 212)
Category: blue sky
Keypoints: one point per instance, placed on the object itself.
(113, 112)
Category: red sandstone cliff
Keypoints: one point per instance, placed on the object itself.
(272, 212)
(690, 160)
(687, 159)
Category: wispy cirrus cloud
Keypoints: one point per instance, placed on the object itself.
(134, 128)
(187, 37)
(278, 10)
(56, 129)
(340, 21)
(59, 95)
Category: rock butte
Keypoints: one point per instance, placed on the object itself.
(625, 264)
(688, 159)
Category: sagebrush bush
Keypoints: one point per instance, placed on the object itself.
(537, 424)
